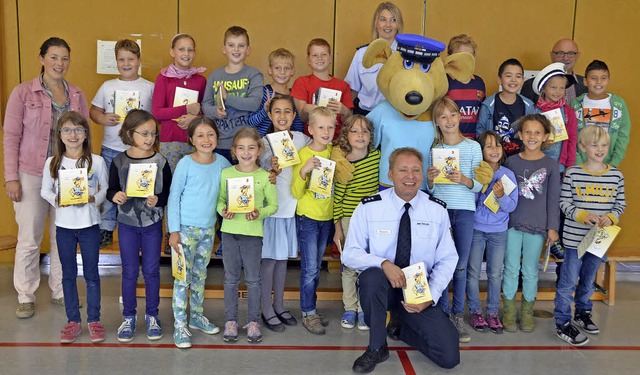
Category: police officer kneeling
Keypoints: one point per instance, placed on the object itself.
(375, 248)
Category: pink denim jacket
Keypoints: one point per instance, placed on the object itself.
(27, 127)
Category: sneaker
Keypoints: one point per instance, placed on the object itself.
(181, 338)
(348, 319)
(361, 324)
(583, 320)
(477, 321)
(324, 321)
(58, 301)
(96, 332)
(571, 334)
(201, 323)
(230, 331)
(25, 310)
(106, 238)
(313, 324)
(70, 332)
(495, 325)
(154, 327)
(368, 361)
(557, 250)
(218, 252)
(458, 321)
(335, 253)
(253, 332)
(127, 329)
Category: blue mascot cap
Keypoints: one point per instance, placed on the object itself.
(418, 48)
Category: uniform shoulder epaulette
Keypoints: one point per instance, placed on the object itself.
(372, 198)
(362, 46)
(438, 201)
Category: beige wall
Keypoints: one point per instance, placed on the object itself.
(502, 28)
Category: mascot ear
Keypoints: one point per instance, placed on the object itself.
(460, 66)
(377, 52)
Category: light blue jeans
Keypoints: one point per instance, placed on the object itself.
(109, 212)
(495, 245)
(525, 246)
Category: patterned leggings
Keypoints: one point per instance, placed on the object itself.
(197, 244)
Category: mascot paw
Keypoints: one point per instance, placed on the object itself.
(484, 174)
(344, 168)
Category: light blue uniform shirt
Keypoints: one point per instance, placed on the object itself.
(373, 237)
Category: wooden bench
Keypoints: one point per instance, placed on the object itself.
(606, 279)
(8, 242)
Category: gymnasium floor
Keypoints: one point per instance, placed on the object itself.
(30, 346)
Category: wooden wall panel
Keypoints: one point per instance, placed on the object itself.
(353, 27)
(289, 24)
(612, 41)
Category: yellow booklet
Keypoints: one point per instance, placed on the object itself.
(73, 186)
(184, 96)
(141, 180)
(598, 240)
(321, 179)
(178, 264)
(417, 290)
(125, 101)
(240, 194)
(559, 129)
(491, 201)
(446, 160)
(323, 95)
(283, 148)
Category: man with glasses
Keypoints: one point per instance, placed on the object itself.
(566, 52)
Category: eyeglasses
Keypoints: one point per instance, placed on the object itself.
(563, 53)
(76, 131)
(147, 134)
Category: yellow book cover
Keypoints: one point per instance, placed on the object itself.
(240, 194)
(125, 101)
(321, 179)
(491, 201)
(184, 96)
(141, 180)
(598, 240)
(178, 264)
(417, 290)
(73, 186)
(559, 129)
(324, 95)
(446, 160)
(283, 148)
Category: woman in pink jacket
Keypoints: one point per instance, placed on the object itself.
(32, 112)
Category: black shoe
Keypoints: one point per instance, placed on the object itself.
(571, 334)
(277, 327)
(106, 238)
(393, 328)
(368, 361)
(290, 321)
(583, 320)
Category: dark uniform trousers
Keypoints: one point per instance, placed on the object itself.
(430, 331)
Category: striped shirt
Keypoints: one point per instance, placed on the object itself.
(583, 193)
(363, 184)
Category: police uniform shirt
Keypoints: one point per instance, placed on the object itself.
(373, 235)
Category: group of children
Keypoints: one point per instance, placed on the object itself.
(195, 156)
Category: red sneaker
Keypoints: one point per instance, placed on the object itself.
(70, 332)
(96, 332)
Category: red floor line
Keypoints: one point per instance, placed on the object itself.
(307, 348)
(406, 363)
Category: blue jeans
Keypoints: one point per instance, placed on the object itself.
(581, 271)
(133, 241)
(525, 246)
(495, 245)
(109, 211)
(313, 236)
(462, 231)
(89, 240)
